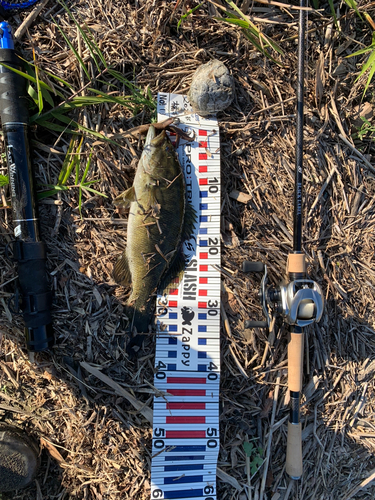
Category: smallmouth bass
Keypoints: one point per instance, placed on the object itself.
(160, 219)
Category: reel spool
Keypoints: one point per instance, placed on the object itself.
(300, 302)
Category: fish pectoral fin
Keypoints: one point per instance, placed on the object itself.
(151, 201)
(190, 219)
(121, 271)
(124, 199)
(175, 269)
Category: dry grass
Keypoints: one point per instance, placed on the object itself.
(97, 445)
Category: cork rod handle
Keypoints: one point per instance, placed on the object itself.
(294, 467)
(295, 362)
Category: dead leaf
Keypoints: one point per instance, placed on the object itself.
(267, 406)
(239, 196)
(269, 479)
(52, 450)
(319, 81)
(364, 110)
(47, 375)
(229, 302)
(230, 239)
(142, 408)
(226, 478)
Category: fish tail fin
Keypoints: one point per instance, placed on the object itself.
(136, 341)
(139, 321)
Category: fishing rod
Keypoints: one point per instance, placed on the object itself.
(298, 300)
(33, 295)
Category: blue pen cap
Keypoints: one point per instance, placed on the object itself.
(6, 39)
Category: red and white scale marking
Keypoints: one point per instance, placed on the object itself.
(186, 414)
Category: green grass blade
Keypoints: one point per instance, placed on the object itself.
(256, 37)
(257, 45)
(68, 121)
(233, 20)
(362, 51)
(57, 187)
(136, 92)
(332, 7)
(56, 127)
(88, 183)
(93, 46)
(188, 13)
(33, 94)
(4, 180)
(86, 169)
(60, 128)
(77, 163)
(71, 46)
(31, 71)
(105, 98)
(47, 97)
(370, 62)
(67, 161)
(60, 80)
(70, 162)
(80, 201)
(38, 91)
(94, 191)
(245, 26)
(25, 75)
(274, 45)
(79, 102)
(259, 34)
(77, 160)
(353, 5)
(89, 41)
(46, 194)
(371, 74)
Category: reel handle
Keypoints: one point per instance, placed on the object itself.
(252, 267)
(255, 324)
(258, 267)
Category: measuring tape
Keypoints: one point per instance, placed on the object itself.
(187, 360)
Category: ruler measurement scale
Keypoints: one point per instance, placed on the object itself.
(187, 359)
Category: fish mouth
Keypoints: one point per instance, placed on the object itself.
(159, 139)
(153, 139)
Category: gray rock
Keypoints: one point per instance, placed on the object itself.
(212, 88)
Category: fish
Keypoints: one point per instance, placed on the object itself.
(160, 220)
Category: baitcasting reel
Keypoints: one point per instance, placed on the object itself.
(300, 302)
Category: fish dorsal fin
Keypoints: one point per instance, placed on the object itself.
(175, 269)
(190, 219)
(124, 199)
(121, 271)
